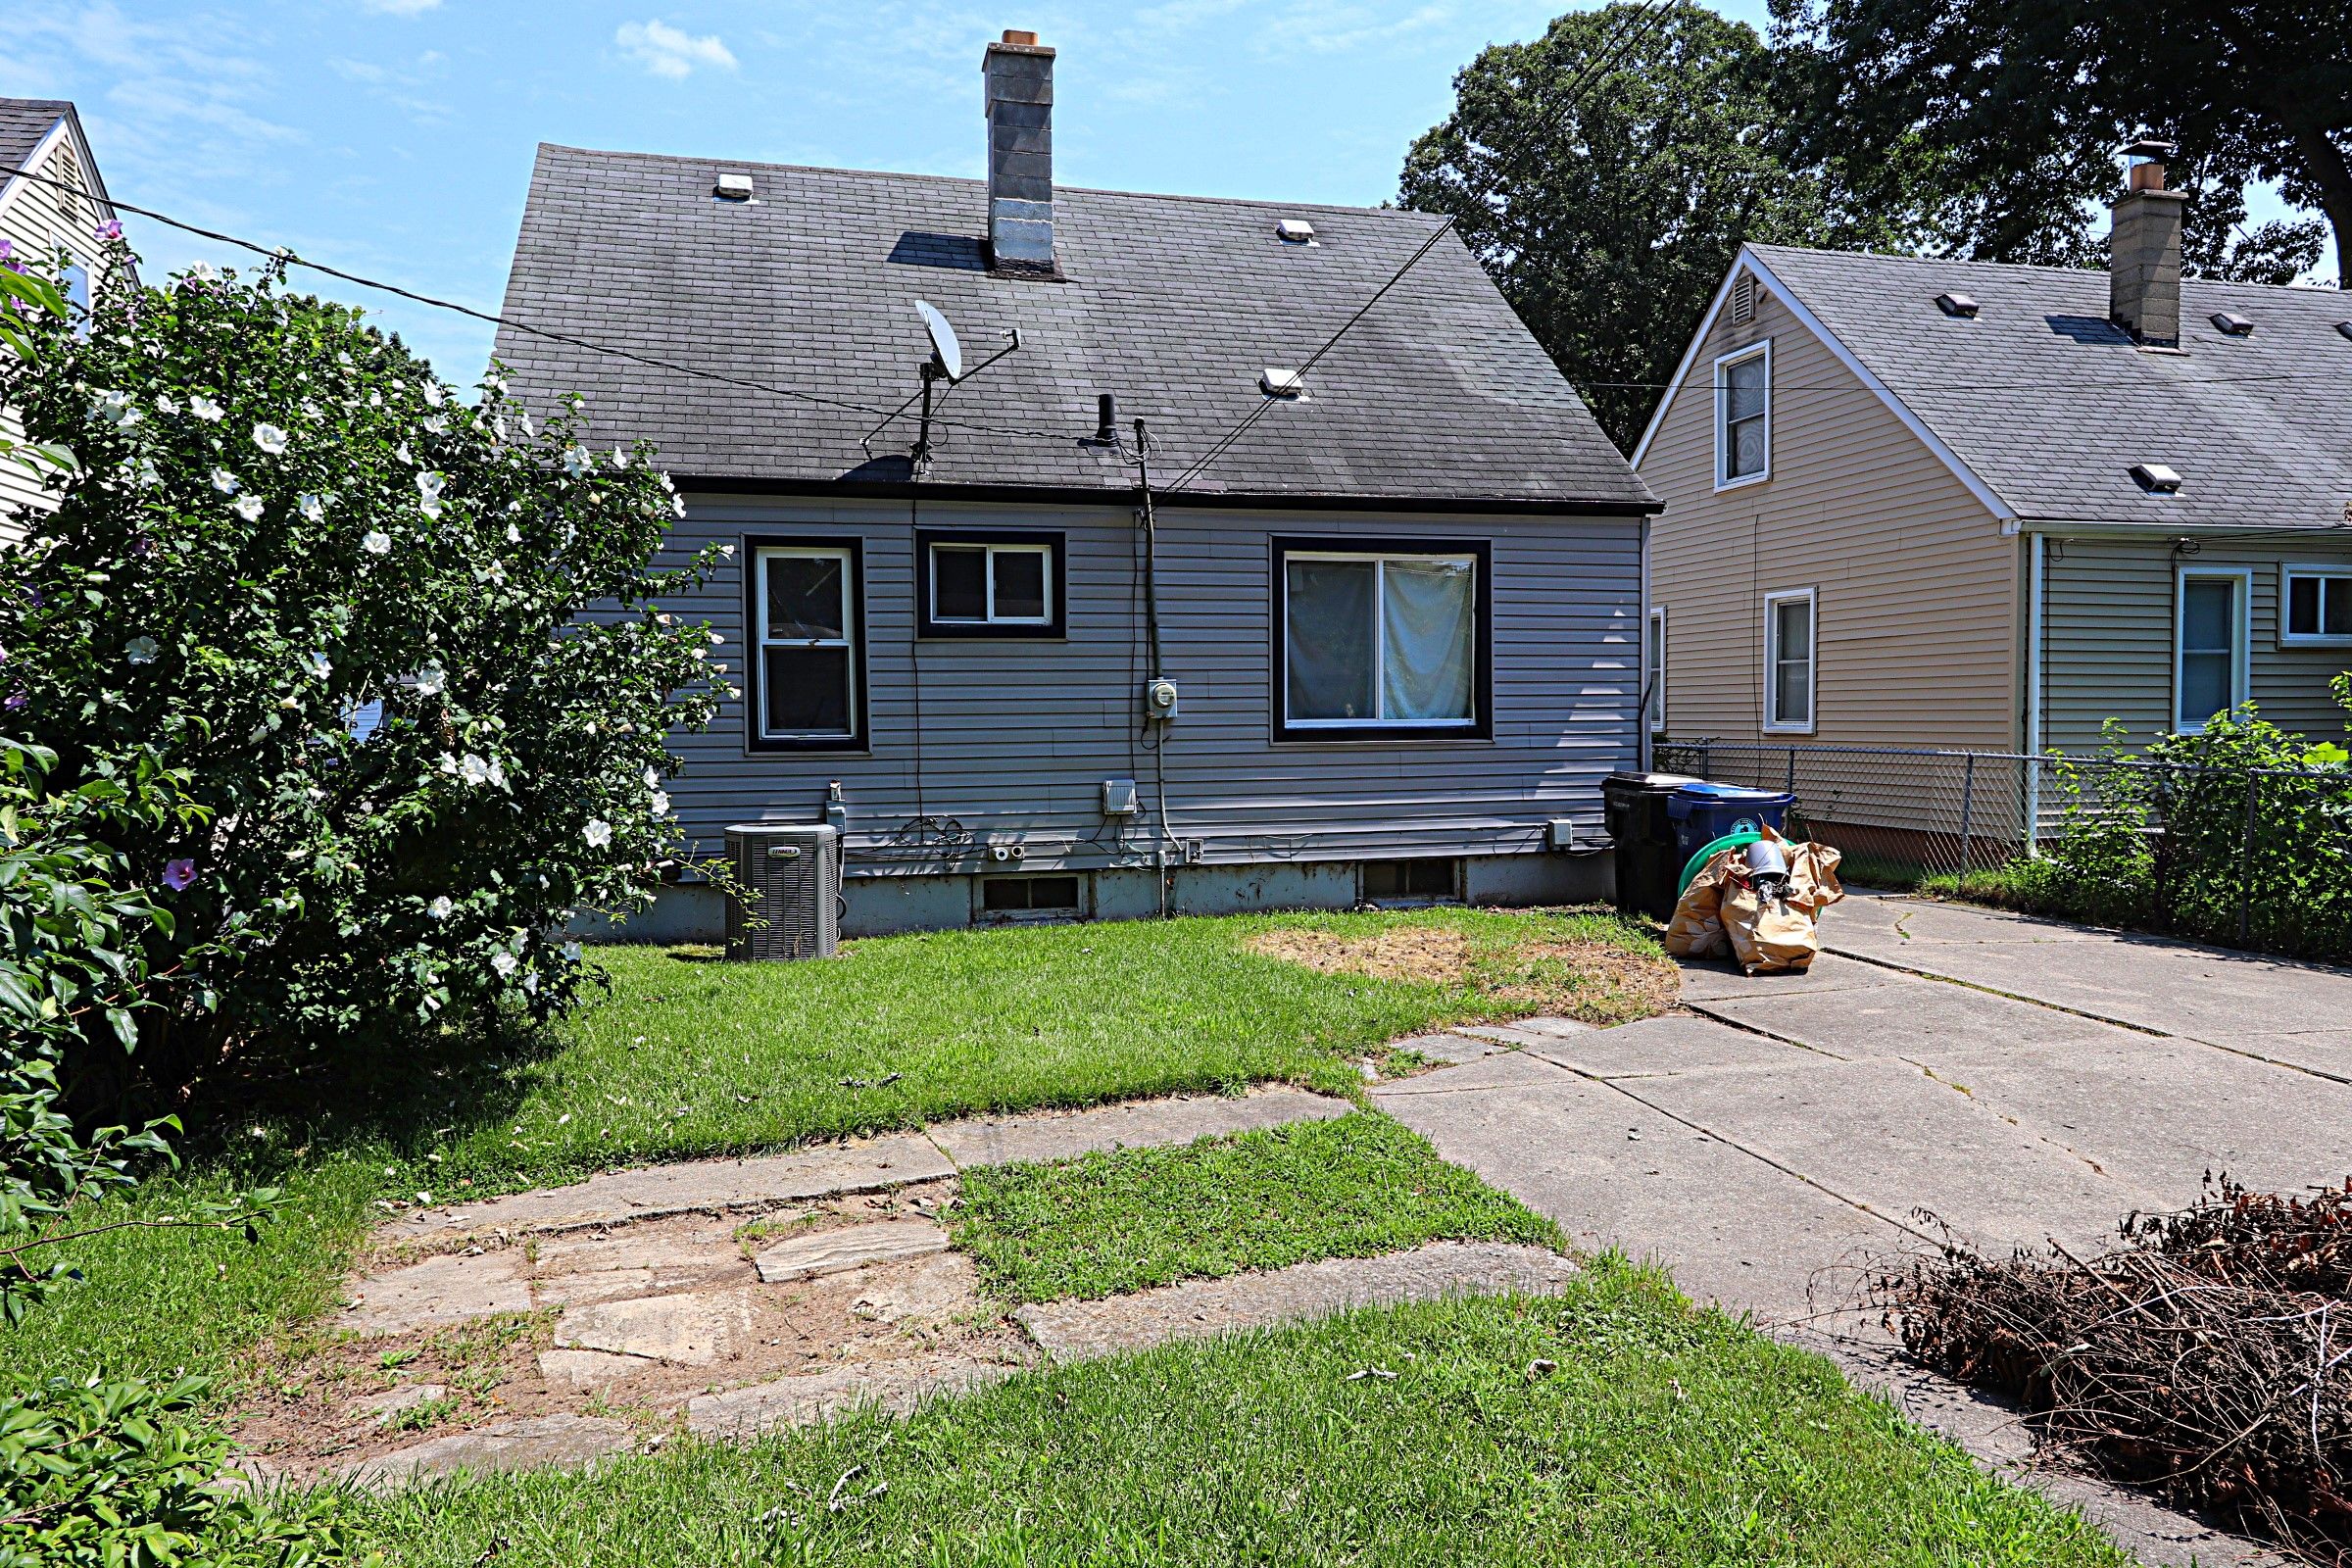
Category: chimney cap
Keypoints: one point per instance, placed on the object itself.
(2151, 149)
(1020, 35)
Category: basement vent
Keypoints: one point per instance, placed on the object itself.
(1276, 382)
(733, 188)
(2155, 478)
(1743, 299)
(1960, 304)
(2231, 324)
(1295, 231)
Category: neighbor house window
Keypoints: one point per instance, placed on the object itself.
(2209, 644)
(1653, 672)
(2318, 604)
(995, 584)
(1789, 642)
(808, 678)
(1743, 416)
(1388, 642)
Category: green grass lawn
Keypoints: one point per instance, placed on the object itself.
(1106, 1224)
(1658, 1435)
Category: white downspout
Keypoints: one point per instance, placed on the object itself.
(2035, 592)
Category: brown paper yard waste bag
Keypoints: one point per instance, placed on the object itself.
(1723, 908)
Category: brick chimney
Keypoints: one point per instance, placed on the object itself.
(2143, 256)
(1019, 75)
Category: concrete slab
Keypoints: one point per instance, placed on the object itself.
(587, 1369)
(437, 1291)
(1922, 1019)
(691, 1330)
(897, 1387)
(888, 1241)
(1451, 1049)
(1709, 979)
(1072, 1331)
(693, 1187)
(545, 1440)
(1067, 1135)
(1673, 1043)
(932, 1292)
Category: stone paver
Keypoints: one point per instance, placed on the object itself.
(814, 1396)
(1067, 1135)
(693, 1187)
(390, 1407)
(694, 1329)
(439, 1290)
(1072, 1331)
(545, 1440)
(888, 1241)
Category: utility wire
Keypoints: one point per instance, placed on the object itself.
(282, 254)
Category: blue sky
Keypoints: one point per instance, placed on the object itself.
(394, 137)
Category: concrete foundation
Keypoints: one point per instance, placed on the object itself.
(878, 905)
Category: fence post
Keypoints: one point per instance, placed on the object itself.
(1706, 760)
(2245, 862)
(1791, 770)
(1968, 806)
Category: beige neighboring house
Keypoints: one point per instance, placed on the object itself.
(42, 136)
(1924, 503)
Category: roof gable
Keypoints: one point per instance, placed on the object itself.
(1174, 304)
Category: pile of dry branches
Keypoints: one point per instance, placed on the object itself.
(2208, 1357)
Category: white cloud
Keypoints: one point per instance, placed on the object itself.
(403, 7)
(666, 50)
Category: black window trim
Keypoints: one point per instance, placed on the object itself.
(1054, 627)
(755, 686)
(1481, 641)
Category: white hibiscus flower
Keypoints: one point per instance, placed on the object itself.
(313, 509)
(317, 665)
(506, 963)
(116, 408)
(514, 534)
(148, 475)
(620, 458)
(474, 768)
(577, 460)
(440, 907)
(141, 650)
(378, 542)
(205, 273)
(401, 452)
(165, 402)
(571, 953)
(225, 482)
(430, 483)
(250, 507)
(661, 802)
(271, 439)
(530, 982)
(430, 680)
(433, 392)
(207, 410)
(437, 423)
(653, 778)
(598, 833)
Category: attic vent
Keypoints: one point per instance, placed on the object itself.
(2231, 324)
(1295, 231)
(1276, 382)
(733, 188)
(2155, 478)
(1961, 305)
(1743, 300)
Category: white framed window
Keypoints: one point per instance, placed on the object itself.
(1790, 636)
(1743, 416)
(993, 584)
(2209, 654)
(2315, 605)
(1381, 643)
(1653, 672)
(807, 671)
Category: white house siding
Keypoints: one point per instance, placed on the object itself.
(35, 219)
(1017, 736)
(1916, 587)
(2109, 649)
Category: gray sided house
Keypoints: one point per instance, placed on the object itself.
(1916, 502)
(1400, 614)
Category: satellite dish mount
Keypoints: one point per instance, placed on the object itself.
(946, 363)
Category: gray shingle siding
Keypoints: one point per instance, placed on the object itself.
(1017, 736)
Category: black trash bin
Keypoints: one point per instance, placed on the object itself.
(1647, 860)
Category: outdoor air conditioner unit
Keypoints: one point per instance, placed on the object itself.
(790, 872)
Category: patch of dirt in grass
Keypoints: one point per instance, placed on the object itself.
(1574, 979)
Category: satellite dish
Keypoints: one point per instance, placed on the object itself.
(943, 339)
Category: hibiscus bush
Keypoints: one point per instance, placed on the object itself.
(406, 653)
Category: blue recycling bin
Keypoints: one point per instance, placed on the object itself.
(1703, 812)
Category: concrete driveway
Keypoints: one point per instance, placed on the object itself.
(2014, 1080)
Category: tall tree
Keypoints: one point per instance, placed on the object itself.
(1993, 124)
(1606, 174)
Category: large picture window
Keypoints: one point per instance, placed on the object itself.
(1390, 642)
(807, 671)
(1743, 416)
(1789, 637)
(2209, 644)
(993, 584)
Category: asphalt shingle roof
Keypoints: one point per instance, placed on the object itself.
(2051, 405)
(23, 122)
(1174, 304)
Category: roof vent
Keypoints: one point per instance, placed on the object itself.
(1295, 231)
(2231, 324)
(1276, 382)
(2155, 478)
(733, 188)
(1743, 299)
(1961, 305)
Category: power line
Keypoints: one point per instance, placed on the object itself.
(280, 252)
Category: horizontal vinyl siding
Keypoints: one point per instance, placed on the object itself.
(1916, 585)
(2109, 647)
(1017, 736)
(36, 219)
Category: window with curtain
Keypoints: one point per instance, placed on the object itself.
(1788, 660)
(1743, 415)
(1387, 641)
(2209, 642)
(805, 619)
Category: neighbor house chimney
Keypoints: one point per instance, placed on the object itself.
(2143, 257)
(1019, 74)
